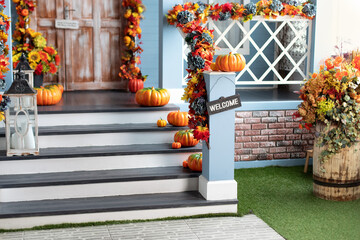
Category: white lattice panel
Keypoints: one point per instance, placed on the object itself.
(254, 52)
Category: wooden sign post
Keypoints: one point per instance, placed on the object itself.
(217, 179)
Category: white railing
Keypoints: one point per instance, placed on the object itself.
(298, 65)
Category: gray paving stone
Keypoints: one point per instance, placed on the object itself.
(248, 227)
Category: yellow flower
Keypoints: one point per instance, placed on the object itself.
(34, 57)
(40, 42)
(140, 9)
(2, 116)
(16, 57)
(33, 65)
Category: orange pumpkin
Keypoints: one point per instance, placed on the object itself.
(48, 95)
(231, 62)
(186, 138)
(195, 162)
(178, 119)
(214, 67)
(176, 145)
(161, 123)
(152, 97)
(61, 87)
(135, 85)
(185, 164)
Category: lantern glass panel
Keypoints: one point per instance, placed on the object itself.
(22, 122)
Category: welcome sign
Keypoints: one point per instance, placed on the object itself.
(223, 104)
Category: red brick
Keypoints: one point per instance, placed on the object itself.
(259, 150)
(308, 136)
(267, 144)
(277, 114)
(252, 132)
(242, 139)
(242, 126)
(293, 137)
(239, 120)
(281, 155)
(248, 157)
(290, 112)
(260, 138)
(276, 125)
(284, 143)
(311, 142)
(294, 149)
(298, 130)
(292, 125)
(284, 131)
(277, 150)
(298, 155)
(300, 142)
(285, 119)
(239, 133)
(260, 113)
(308, 147)
(269, 120)
(268, 131)
(242, 151)
(259, 126)
(252, 120)
(277, 138)
(251, 145)
(237, 158)
(238, 145)
(244, 114)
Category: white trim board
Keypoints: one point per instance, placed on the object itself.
(268, 163)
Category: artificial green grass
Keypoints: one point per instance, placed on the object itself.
(282, 197)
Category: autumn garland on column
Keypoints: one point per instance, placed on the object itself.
(42, 58)
(132, 31)
(189, 17)
(4, 61)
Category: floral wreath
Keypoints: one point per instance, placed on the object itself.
(131, 55)
(189, 16)
(4, 61)
(42, 58)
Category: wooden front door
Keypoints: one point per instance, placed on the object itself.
(91, 55)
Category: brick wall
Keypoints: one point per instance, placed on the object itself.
(266, 135)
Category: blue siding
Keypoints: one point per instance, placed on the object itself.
(8, 76)
(150, 38)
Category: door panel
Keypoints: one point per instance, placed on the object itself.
(91, 55)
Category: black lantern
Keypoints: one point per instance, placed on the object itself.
(24, 66)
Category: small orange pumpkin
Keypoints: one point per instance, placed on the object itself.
(185, 164)
(178, 119)
(186, 138)
(176, 145)
(48, 95)
(161, 123)
(195, 162)
(214, 67)
(135, 85)
(152, 97)
(231, 62)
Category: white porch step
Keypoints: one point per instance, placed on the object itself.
(47, 186)
(96, 158)
(17, 215)
(125, 115)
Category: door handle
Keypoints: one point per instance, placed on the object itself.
(67, 11)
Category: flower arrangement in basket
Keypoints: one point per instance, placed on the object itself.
(42, 58)
(332, 97)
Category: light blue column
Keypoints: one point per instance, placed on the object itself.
(218, 161)
(9, 75)
(170, 49)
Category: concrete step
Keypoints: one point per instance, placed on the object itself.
(82, 184)
(96, 158)
(28, 214)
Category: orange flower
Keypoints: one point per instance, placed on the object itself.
(43, 56)
(49, 50)
(338, 60)
(314, 75)
(25, 12)
(57, 60)
(340, 74)
(356, 62)
(53, 68)
(329, 64)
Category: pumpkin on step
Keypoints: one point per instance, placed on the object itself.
(178, 119)
(231, 62)
(186, 138)
(194, 162)
(48, 95)
(161, 123)
(152, 97)
(135, 85)
(176, 145)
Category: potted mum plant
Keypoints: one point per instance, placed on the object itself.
(42, 58)
(331, 101)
